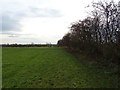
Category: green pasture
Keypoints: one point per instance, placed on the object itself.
(50, 67)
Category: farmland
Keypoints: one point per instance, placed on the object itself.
(50, 67)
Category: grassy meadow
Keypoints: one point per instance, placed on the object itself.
(50, 67)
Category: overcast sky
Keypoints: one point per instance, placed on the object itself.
(39, 21)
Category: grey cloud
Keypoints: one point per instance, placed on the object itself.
(12, 35)
(11, 19)
(10, 23)
(45, 12)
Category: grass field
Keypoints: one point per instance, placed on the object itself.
(50, 67)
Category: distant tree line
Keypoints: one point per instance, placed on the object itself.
(27, 45)
(97, 35)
